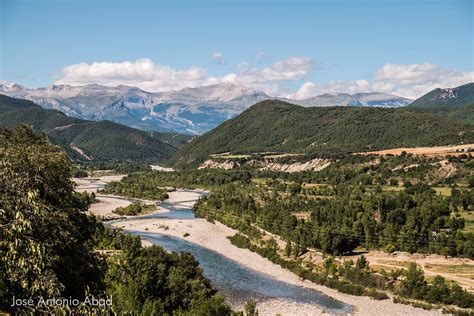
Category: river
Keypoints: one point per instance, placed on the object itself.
(236, 282)
(237, 274)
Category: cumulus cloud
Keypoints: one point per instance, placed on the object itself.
(147, 75)
(417, 79)
(410, 81)
(311, 89)
(412, 74)
(307, 90)
(143, 73)
(218, 58)
(290, 69)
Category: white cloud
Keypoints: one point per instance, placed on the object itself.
(293, 68)
(311, 89)
(410, 81)
(218, 58)
(412, 74)
(415, 80)
(290, 69)
(307, 90)
(142, 73)
(147, 75)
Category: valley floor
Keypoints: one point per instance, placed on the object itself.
(214, 237)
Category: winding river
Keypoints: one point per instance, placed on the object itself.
(236, 282)
(233, 280)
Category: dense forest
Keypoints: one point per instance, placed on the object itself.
(51, 248)
(339, 218)
(278, 126)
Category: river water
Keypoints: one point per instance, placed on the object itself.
(234, 281)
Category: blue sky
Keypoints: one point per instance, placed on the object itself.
(292, 48)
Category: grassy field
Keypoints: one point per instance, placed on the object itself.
(260, 180)
(275, 156)
(428, 151)
(392, 188)
(314, 185)
(454, 269)
(469, 221)
(229, 156)
(246, 156)
(399, 264)
(440, 190)
(443, 191)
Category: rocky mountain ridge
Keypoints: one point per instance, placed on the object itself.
(190, 110)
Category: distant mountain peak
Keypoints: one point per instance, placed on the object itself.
(220, 92)
(368, 99)
(331, 94)
(445, 94)
(10, 86)
(59, 87)
(452, 97)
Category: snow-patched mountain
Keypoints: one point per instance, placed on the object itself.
(375, 99)
(190, 110)
(224, 92)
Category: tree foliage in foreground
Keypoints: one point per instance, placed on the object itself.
(45, 233)
(47, 244)
(150, 281)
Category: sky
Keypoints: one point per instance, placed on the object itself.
(295, 49)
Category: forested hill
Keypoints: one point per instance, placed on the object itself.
(87, 140)
(278, 126)
(456, 103)
(455, 97)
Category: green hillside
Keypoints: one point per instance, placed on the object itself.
(174, 139)
(103, 140)
(456, 97)
(463, 114)
(278, 126)
(456, 103)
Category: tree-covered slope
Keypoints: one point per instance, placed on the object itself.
(456, 103)
(463, 114)
(84, 140)
(278, 126)
(455, 97)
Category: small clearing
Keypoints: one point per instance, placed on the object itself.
(455, 150)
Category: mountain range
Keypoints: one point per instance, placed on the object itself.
(190, 110)
(443, 116)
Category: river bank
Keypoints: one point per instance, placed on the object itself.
(214, 237)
